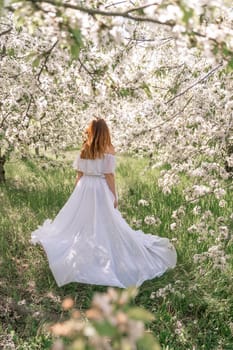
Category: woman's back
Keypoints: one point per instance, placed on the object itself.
(98, 166)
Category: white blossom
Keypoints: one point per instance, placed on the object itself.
(173, 226)
(219, 193)
(222, 203)
(143, 203)
(152, 220)
(196, 210)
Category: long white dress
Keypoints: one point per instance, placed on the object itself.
(90, 242)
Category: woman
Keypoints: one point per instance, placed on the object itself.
(89, 241)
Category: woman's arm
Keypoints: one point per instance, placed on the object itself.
(79, 175)
(110, 178)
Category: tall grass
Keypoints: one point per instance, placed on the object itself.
(193, 304)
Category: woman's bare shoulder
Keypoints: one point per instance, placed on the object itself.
(111, 150)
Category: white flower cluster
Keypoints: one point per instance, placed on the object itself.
(229, 161)
(173, 226)
(177, 216)
(163, 292)
(179, 213)
(223, 234)
(143, 203)
(216, 254)
(168, 180)
(152, 220)
(196, 210)
(169, 289)
(200, 190)
(219, 193)
(207, 227)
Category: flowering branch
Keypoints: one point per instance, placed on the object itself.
(93, 12)
(46, 54)
(4, 118)
(174, 116)
(28, 106)
(162, 123)
(6, 31)
(82, 65)
(196, 83)
(229, 185)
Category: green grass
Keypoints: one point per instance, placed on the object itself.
(195, 312)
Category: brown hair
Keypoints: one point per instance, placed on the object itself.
(98, 140)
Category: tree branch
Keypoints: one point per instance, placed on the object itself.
(142, 132)
(82, 65)
(174, 116)
(116, 3)
(229, 185)
(4, 118)
(93, 12)
(164, 40)
(6, 31)
(196, 83)
(47, 54)
(28, 106)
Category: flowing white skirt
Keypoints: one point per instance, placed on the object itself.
(90, 242)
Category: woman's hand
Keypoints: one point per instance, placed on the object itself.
(79, 175)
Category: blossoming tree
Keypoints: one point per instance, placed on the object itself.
(168, 94)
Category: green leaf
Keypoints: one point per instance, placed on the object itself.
(36, 61)
(31, 28)
(105, 329)
(148, 342)
(11, 52)
(1, 6)
(76, 33)
(138, 313)
(226, 52)
(74, 50)
(187, 13)
(19, 20)
(76, 42)
(146, 89)
(230, 65)
(161, 72)
(124, 92)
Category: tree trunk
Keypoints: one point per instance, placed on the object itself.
(37, 151)
(229, 153)
(2, 170)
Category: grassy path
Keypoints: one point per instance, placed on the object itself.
(193, 304)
